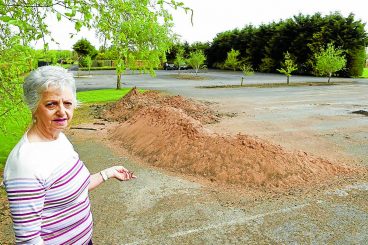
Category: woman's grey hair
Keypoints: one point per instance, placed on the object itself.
(41, 79)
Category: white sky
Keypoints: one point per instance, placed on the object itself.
(215, 16)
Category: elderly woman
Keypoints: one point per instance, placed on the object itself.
(46, 182)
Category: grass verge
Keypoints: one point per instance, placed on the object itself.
(102, 95)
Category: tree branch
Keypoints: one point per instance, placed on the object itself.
(32, 6)
(12, 108)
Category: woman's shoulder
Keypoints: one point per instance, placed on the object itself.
(33, 160)
(21, 160)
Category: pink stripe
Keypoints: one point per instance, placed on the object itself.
(18, 191)
(74, 227)
(21, 214)
(65, 218)
(25, 199)
(27, 221)
(65, 182)
(68, 227)
(34, 234)
(83, 233)
(73, 194)
(66, 210)
(65, 173)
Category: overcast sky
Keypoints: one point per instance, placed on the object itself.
(215, 16)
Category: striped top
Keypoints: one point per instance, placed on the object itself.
(47, 188)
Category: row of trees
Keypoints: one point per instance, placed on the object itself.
(327, 61)
(302, 37)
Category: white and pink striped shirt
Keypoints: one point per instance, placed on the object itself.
(47, 187)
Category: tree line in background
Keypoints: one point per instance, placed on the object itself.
(302, 37)
(288, 46)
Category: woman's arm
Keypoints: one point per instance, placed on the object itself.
(117, 172)
(26, 200)
(95, 180)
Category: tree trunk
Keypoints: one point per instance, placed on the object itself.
(329, 77)
(287, 80)
(241, 83)
(118, 81)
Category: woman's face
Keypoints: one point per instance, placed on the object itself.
(55, 109)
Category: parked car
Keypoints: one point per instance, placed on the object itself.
(171, 66)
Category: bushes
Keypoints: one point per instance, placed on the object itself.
(356, 62)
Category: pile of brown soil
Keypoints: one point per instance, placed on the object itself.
(168, 136)
(134, 101)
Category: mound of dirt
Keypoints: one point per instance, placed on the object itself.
(134, 101)
(168, 136)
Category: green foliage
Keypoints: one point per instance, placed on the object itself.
(267, 64)
(108, 54)
(329, 60)
(179, 59)
(247, 70)
(196, 60)
(137, 30)
(84, 48)
(26, 20)
(89, 63)
(53, 56)
(264, 46)
(288, 66)
(188, 48)
(14, 114)
(11, 80)
(232, 61)
(365, 73)
(356, 62)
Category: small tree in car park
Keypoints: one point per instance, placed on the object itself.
(329, 60)
(88, 61)
(196, 60)
(232, 61)
(288, 66)
(247, 70)
(179, 59)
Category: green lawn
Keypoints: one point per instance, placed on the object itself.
(15, 130)
(102, 95)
